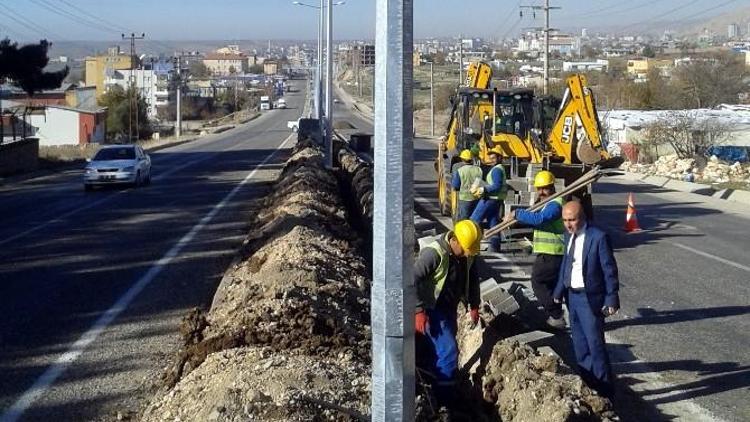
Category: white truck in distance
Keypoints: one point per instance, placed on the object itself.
(265, 102)
(281, 103)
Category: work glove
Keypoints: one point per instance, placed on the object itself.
(474, 314)
(421, 322)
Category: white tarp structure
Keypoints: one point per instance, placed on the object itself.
(627, 126)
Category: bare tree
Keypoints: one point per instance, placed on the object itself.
(689, 134)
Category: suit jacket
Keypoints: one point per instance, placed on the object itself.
(599, 270)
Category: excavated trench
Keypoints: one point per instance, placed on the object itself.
(287, 335)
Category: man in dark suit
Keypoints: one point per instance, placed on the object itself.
(588, 281)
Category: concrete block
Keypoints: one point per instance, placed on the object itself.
(532, 337)
(498, 300)
(741, 196)
(546, 350)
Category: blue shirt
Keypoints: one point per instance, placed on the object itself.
(456, 181)
(497, 181)
(551, 212)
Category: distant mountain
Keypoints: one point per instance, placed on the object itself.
(718, 24)
(77, 50)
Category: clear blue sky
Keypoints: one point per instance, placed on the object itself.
(280, 19)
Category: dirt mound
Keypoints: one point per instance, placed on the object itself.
(292, 311)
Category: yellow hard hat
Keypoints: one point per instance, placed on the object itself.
(544, 178)
(465, 155)
(468, 235)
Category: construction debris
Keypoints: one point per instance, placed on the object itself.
(715, 170)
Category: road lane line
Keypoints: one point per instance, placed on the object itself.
(714, 257)
(53, 372)
(111, 197)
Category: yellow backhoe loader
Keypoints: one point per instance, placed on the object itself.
(529, 132)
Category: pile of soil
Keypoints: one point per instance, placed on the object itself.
(287, 335)
(521, 384)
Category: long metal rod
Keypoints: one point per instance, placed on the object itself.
(587, 178)
(546, 47)
(393, 292)
(178, 123)
(329, 85)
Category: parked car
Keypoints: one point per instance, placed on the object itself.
(118, 164)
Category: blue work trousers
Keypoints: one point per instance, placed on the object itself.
(489, 210)
(465, 208)
(442, 353)
(587, 333)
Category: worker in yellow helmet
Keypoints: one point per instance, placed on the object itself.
(463, 180)
(444, 275)
(549, 232)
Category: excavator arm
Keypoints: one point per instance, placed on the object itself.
(576, 135)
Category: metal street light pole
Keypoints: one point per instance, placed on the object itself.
(432, 101)
(319, 80)
(393, 292)
(329, 86)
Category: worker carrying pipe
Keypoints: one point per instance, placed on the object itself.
(548, 245)
(444, 275)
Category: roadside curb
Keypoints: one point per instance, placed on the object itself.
(701, 189)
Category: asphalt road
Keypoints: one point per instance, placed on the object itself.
(93, 285)
(680, 344)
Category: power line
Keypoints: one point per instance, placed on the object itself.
(669, 12)
(609, 10)
(96, 18)
(21, 20)
(77, 19)
(710, 9)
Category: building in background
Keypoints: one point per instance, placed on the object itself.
(226, 64)
(98, 68)
(733, 31)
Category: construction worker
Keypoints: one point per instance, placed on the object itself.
(548, 245)
(492, 204)
(462, 181)
(444, 276)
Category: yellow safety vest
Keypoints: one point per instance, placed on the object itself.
(503, 192)
(430, 289)
(468, 174)
(549, 238)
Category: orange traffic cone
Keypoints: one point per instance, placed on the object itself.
(631, 220)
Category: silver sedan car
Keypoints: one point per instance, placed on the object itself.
(118, 164)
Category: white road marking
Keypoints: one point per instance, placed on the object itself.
(714, 257)
(53, 372)
(110, 197)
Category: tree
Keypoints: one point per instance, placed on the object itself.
(687, 133)
(199, 70)
(649, 52)
(117, 101)
(256, 68)
(24, 67)
(711, 80)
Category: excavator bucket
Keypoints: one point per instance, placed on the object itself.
(586, 153)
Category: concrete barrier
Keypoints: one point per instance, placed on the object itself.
(19, 156)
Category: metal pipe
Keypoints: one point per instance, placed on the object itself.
(432, 101)
(319, 78)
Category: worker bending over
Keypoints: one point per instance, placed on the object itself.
(444, 275)
(548, 245)
(462, 181)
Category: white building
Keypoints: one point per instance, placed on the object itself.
(145, 82)
(58, 125)
(733, 30)
(599, 65)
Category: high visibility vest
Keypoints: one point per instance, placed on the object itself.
(549, 238)
(503, 192)
(468, 174)
(432, 286)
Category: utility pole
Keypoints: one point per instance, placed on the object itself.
(460, 61)
(319, 79)
(393, 292)
(132, 96)
(178, 76)
(546, 30)
(432, 101)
